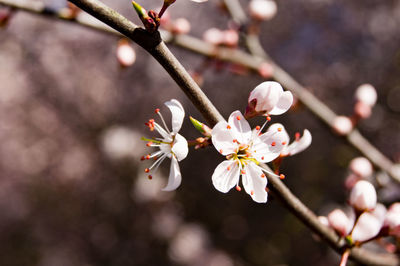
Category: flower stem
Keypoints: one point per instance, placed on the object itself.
(345, 257)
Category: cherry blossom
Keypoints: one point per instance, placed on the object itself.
(262, 9)
(171, 144)
(268, 98)
(366, 93)
(369, 224)
(245, 149)
(363, 196)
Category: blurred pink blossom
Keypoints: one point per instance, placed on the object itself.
(262, 9)
(361, 166)
(363, 196)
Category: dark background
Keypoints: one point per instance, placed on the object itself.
(72, 187)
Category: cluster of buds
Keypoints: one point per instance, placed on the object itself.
(368, 220)
(366, 97)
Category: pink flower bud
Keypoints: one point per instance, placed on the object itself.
(268, 98)
(392, 219)
(363, 196)
(213, 36)
(265, 70)
(125, 53)
(369, 224)
(165, 18)
(351, 180)
(339, 221)
(366, 94)
(230, 37)
(362, 110)
(361, 166)
(180, 26)
(262, 9)
(342, 125)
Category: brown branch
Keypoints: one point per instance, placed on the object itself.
(238, 57)
(153, 44)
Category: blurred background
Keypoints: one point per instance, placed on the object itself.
(73, 189)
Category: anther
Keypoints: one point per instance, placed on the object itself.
(142, 158)
(238, 117)
(157, 110)
(252, 192)
(228, 168)
(220, 151)
(238, 188)
(268, 118)
(150, 177)
(282, 176)
(258, 127)
(148, 157)
(262, 157)
(146, 170)
(228, 127)
(235, 141)
(297, 136)
(279, 129)
(262, 175)
(273, 144)
(283, 142)
(148, 144)
(243, 172)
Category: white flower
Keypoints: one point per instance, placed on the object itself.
(363, 196)
(392, 219)
(299, 145)
(244, 150)
(171, 144)
(126, 55)
(268, 98)
(342, 125)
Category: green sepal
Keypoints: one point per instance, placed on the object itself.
(349, 240)
(142, 13)
(197, 124)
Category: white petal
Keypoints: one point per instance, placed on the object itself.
(240, 128)
(178, 113)
(222, 138)
(367, 227)
(224, 179)
(267, 95)
(254, 184)
(175, 177)
(180, 147)
(283, 104)
(276, 140)
(166, 136)
(299, 145)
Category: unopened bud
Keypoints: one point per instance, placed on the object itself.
(180, 26)
(369, 224)
(363, 196)
(230, 38)
(265, 70)
(262, 9)
(362, 110)
(366, 94)
(342, 125)
(361, 166)
(268, 98)
(213, 36)
(339, 221)
(125, 53)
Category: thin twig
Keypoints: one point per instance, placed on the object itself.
(309, 100)
(238, 57)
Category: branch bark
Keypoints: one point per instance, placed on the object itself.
(154, 45)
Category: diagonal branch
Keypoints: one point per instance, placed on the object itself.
(154, 45)
(252, 61)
